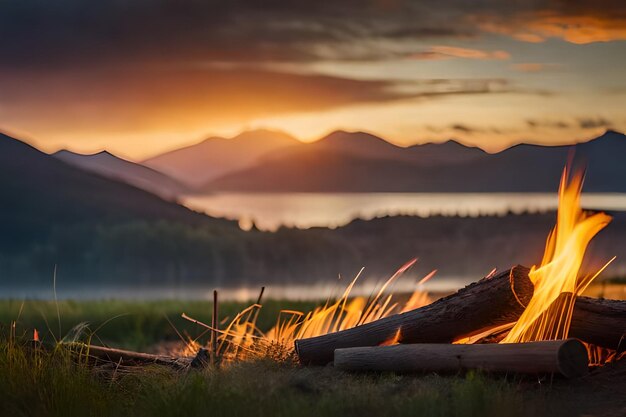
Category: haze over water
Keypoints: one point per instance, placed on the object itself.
(269, 211)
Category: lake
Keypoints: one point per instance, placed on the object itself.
(269, 211)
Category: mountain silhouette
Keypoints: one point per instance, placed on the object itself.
(114, 167)
(444, 167)
(196, 164)
(43, 195)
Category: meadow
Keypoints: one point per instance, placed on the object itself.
(55, 384)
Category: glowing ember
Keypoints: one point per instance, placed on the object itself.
(556, 281)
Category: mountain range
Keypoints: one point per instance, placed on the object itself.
(101, 231)
(42, 193)
(360, 162)
(272, 161)
(111, 166)
(198, 164)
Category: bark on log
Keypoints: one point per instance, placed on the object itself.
(126, 357)
(487, 303)
(599, 321)
(565, 357)
(481, 305)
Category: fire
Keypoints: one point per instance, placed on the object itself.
(242, 338)
(557, 280)
(345, 313)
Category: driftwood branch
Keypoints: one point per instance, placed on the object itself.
(482, 305)
(565, 357)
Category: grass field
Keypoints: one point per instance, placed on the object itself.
(128, 324)
(52, 384)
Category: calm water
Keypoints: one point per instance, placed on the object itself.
(326, 288)
(269, 211)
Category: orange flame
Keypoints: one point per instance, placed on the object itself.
(242, 338)
(557, 281)
(345, 314)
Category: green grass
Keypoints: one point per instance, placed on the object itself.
(39, 384)
(128, 324)
(35, 383)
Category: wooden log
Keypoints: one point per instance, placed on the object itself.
(482, 305)
(564, 357)
(599, 321)
(125, 357)
(489, 302)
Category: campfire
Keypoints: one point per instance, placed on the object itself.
(520, 320)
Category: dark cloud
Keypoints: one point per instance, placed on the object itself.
(594, 123)
(462, 128)
(78, 33)
(74, 32)
(552, 124)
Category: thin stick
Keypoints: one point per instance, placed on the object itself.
(215, 332)
(56, 302)
(258, 301)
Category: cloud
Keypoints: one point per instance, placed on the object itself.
(183, 99)
(551, 124)
(448, 52)
(469, 130)
(594, 123)
(66, 33)
(42, 34)
(462, 128)
(575, 21)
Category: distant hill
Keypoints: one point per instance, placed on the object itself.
(445, 153)
(369, 146)
(100, 231)
(445, 167)
(41, 193)
(197, 164)
(360, 145)
(114, 167)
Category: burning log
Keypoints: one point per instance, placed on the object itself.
(564, 357)
(598, 321)
(485, 304)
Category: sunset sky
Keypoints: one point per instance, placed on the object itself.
(143, 76)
